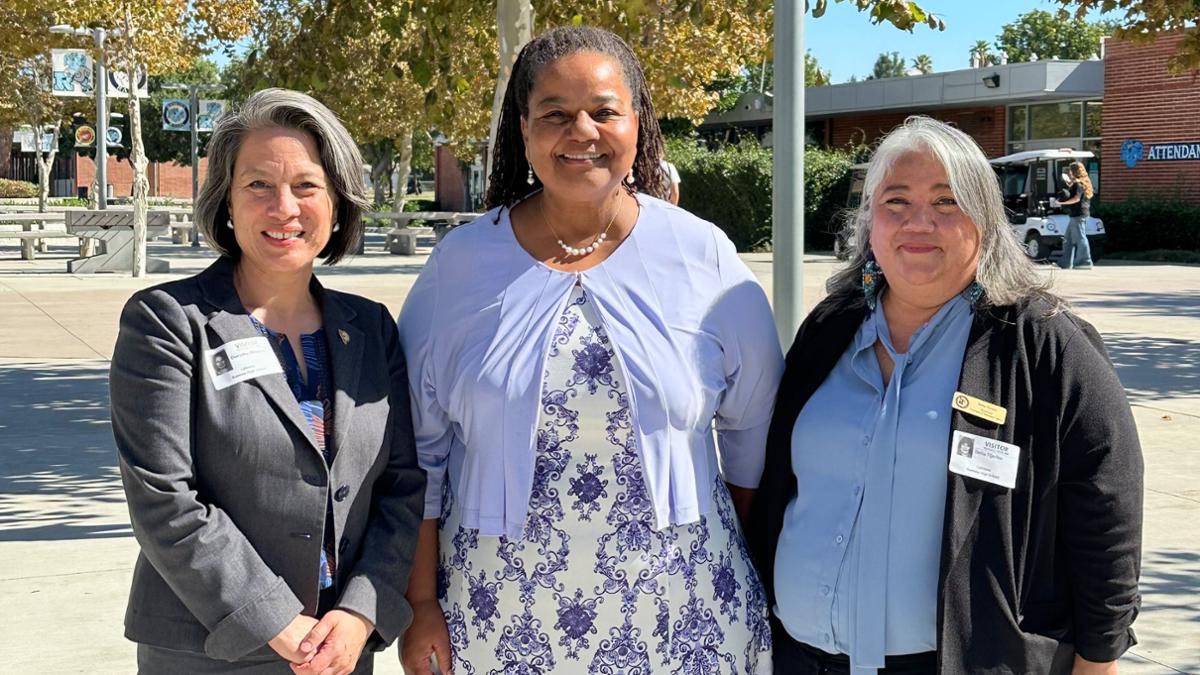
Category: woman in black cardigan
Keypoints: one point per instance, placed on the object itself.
(953, 480)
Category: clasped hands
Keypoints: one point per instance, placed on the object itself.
(330, 646)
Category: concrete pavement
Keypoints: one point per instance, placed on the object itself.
(68, 549)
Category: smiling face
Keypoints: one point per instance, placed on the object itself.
(927, 247)
(581, 130)
(280, 201)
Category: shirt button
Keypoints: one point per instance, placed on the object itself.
(857, 489)
(866, 440)
(839, 539)
(825, 638)
(824, 590)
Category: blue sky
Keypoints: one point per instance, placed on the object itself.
(845, 43)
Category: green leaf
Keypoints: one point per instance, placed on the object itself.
(577, 20)
(421, 72)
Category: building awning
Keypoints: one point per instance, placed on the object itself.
(993, 85)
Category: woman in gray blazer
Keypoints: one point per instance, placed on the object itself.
(262, 422)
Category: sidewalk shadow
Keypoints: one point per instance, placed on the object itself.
(1160, 304)
(1153, 368)
(58, 466)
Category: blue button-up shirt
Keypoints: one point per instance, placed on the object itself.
(858, 558)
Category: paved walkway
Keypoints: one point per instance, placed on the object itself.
(64, 532)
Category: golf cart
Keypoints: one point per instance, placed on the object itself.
(1028, 182)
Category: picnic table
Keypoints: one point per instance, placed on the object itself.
(402, 240)
(33, 240)
(113, 229)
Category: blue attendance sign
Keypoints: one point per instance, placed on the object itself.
(1134, 151)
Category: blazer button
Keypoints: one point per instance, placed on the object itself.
(344, 545)
(341, 493)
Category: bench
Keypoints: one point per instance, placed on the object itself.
(30, 241)
(181, 232)
(403, 240)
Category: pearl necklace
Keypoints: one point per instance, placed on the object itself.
(571, 250)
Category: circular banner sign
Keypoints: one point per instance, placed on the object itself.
(114, 136)
(175, 114)
(84, 137)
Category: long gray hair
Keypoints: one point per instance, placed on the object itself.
(1005, 273)
(339, 155)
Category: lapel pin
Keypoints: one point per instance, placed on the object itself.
(345, 336)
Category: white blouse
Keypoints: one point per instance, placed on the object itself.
(690, 327)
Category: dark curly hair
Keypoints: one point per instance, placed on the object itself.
(510, 169)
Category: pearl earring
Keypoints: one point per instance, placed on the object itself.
(529, 179)
(337, 227)
(229, 224)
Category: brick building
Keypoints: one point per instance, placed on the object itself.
(72, 175)
(1139, 120)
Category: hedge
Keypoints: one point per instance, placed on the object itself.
(1145, 224)
(731, 187)
(17, 188)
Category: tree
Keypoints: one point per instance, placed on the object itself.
(981, 54)
(1144, 19)
(1051, 37)
(888, 65)
(161, 36)
(814, 75)
(923, 63)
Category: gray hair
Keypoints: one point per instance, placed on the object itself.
(1005, 273)
(340, 159)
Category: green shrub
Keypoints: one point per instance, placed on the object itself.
(412, 205)
(731, 187)
(1145, 224)
(17, 188)
(826, 186)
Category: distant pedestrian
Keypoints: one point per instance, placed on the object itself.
(1077, 252)
(670, 182)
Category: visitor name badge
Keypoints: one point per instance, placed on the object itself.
(979, 408)
(984, 458)
(241, 360)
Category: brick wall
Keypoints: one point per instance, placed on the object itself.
(167, 179)
(1143, 101)
(984, 124)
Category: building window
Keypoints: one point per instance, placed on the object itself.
(1093, 118)
(1018, 127)
(1056, 120)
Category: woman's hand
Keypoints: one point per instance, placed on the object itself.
(287, 643)
(1085, 667)
(333, 645)
(426, 637)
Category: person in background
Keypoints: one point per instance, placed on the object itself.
(263, 424)
(573, 351)
(1077, 252)
(670, 182)
(884, 544)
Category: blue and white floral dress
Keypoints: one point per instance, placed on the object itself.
(592, 587)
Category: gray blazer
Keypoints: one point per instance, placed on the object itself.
(227, 490)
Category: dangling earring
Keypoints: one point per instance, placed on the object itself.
(337, 227)
(529, 178)
(872, 279)
(229, 224)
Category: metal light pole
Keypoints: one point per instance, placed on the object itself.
(98, 34)
(788, 183)
(194, 119)
(101, 122)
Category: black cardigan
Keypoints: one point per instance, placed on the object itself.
(1030, 576)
